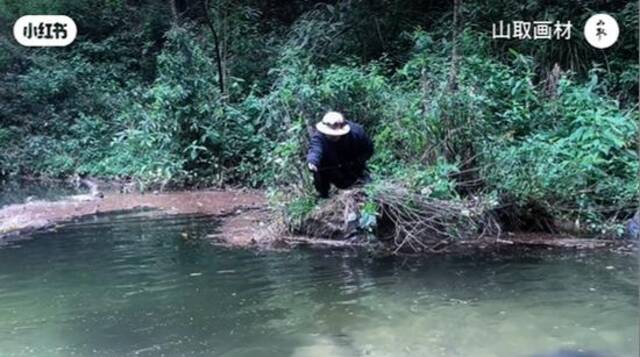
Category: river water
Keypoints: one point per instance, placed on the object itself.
(138, 285)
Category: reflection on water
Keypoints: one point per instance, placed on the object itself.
(132, 285)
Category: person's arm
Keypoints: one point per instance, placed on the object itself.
(314, 156)
(365, 145)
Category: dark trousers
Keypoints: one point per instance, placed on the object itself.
(341, 178)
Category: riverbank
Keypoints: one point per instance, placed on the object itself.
(23, 218)
(247, 221)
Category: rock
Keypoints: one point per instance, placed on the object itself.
(632, 229)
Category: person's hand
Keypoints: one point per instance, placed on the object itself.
(312, 167)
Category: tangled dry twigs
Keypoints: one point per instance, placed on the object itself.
(425, 224)
(335, 218)
(406, 220)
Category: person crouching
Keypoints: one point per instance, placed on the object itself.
(338, 154)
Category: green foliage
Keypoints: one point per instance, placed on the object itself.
(292, 206)
(368, 220)
(137, 96)
(181, 127)
(586, 164)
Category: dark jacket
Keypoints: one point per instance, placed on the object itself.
(351, 151)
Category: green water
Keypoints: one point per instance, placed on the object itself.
(133, 285)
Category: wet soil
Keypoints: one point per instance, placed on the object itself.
(240, 209)
(246, 219)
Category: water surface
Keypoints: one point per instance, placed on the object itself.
(138, 285)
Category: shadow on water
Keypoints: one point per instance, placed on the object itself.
(139, 284)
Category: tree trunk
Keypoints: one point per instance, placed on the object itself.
(174, 11)
(216, 42)
(455, 57)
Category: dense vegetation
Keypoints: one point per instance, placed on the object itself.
(222, 92)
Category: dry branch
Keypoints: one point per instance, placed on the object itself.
(407, 220)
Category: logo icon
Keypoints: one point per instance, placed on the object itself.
(601, 31)
(45, 30)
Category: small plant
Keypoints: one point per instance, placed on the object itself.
(368, 220)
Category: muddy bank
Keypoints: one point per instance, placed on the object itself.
(400, 221)
(498, 245)
(248, 222)
(31, 216)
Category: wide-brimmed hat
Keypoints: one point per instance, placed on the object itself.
(333, 123)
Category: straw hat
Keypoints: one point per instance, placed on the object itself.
(333, 123)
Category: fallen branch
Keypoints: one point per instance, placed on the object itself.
(406, 220)
(424, 223)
